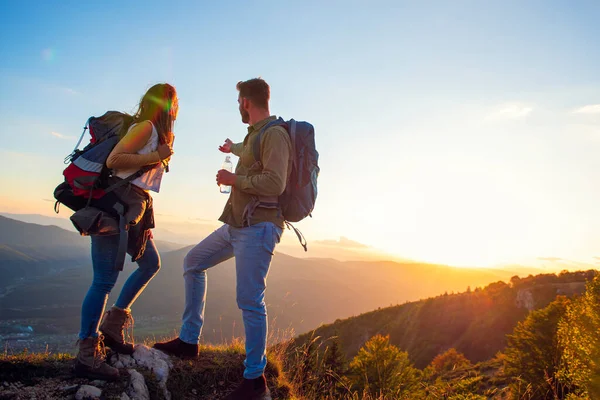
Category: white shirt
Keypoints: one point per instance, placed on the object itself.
(150, 180)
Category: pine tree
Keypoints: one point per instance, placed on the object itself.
(334, 368)
(533, 353)
(382, 370)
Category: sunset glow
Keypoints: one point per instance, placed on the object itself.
(468, 142)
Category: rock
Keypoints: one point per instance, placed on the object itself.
(5, 384)
(70, 388)
(87, 392)
(194, 392)
(157, 362)
(124, 396)
(137, 389)
(154, 360)
(122, 361)
(525, 299)
(98, 383)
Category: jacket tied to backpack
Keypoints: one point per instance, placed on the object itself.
(136, 220)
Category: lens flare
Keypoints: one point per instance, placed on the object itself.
(49, 54)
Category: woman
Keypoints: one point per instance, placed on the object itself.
(147, 145)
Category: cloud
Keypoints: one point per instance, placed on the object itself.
(60, 89)
(551, 259)
(513, 110)
(584, 130)
(343, 242)
(597, 258)
(60, 135)
(589, 109)
(69, 91)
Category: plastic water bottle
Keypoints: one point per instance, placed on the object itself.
(227, 166)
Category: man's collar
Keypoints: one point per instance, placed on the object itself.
(260, 124)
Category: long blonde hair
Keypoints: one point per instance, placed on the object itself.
(159, 105)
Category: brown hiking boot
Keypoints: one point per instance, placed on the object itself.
(251, 389)
(116, 321)
(91, 361)
(178, 348)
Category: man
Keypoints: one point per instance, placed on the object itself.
(252, 227)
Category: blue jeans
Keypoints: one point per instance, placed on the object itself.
(253, 249)
(104, 253)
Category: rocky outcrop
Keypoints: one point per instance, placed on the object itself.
(151, 359)
(525, 299)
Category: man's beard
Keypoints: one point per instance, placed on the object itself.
(245, 116)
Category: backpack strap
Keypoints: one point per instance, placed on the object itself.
(120, 209)
(256, 143)
(130, 178)
(299, 234)
(70, 157)
(123, 237)
(292, 132)
(261, 201)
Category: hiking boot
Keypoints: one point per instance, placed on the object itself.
(91, 361)
(116, 320)
(178, 348)
(251, 389)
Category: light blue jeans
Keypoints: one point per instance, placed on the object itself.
(253, 249)
(104, 254)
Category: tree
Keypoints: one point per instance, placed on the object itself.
(533, 354)
(448, 361)
(334, 357)
(334, 368)
(382, 370)
(579, 335)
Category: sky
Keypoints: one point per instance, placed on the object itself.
(456, 132)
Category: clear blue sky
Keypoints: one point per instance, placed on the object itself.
(464, 132)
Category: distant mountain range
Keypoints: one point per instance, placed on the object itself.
(48, 276)
(18, 233)
(31, 250)
(44, 220)
(173, 234)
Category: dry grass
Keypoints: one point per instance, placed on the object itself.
(212, 376)
(218, 370)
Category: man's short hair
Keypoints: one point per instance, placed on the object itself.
(256, 90)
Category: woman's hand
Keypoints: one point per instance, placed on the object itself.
(164, 151)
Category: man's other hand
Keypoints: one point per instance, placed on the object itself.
(225, 177)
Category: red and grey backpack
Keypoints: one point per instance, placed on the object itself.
(86, 182)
